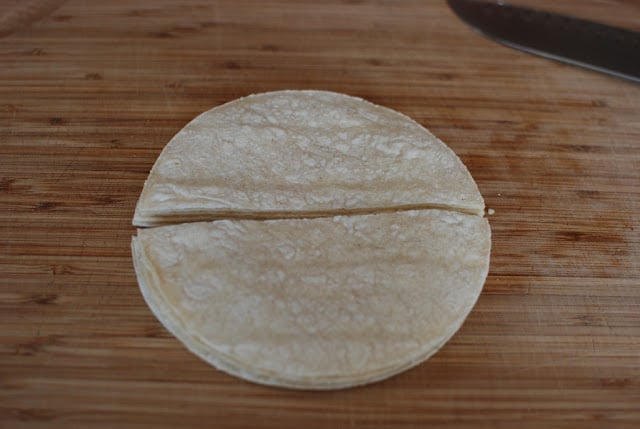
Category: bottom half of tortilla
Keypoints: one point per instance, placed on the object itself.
(315, 303)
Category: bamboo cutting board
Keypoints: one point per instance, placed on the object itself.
(90, 92)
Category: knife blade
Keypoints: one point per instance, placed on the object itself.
(571, 40)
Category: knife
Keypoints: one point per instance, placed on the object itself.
(588, 44)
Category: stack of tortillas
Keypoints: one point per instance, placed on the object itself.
(310, 239)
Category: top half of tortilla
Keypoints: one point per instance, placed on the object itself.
(302, 152)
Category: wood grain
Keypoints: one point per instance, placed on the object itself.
(19, 14)
(89, 96)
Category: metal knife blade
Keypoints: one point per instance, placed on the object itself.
(588, 44)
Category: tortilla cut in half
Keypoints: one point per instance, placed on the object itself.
(315, 303)
(302, 153)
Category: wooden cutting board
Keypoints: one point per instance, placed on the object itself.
(90, 92)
